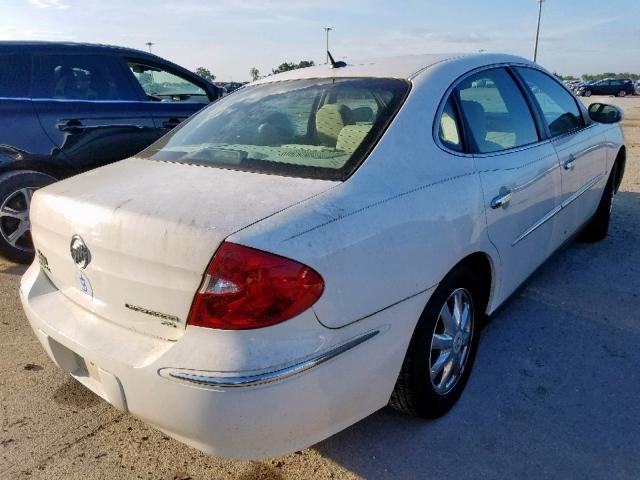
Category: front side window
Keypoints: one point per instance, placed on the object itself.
(15, 73)
(163, 86)
(558, 106)
(304, 128)
(80, 77)
(495, 112)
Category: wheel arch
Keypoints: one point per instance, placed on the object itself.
(483, 265)
(620, 163)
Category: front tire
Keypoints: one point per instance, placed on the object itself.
(587, 93)
(443, 348)
(598, 227)
(622, 93)
(16, 189)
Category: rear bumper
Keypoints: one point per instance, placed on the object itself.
(206, 390)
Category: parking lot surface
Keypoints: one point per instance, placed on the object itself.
(554, 392)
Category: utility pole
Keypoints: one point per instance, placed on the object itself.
(535, 51)
(149, 44)
(327, 29)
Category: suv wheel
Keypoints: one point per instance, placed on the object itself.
(622, 93)
(16, 190)
(587, 93)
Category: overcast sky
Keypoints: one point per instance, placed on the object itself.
(231, 36)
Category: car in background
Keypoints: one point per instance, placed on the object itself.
(335, 241)
(67, 108)
(611, 86)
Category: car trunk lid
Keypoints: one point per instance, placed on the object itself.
(150, 229)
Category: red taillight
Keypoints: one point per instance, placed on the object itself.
(247, 288)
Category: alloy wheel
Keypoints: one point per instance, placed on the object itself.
(15, 226)
(451, 341)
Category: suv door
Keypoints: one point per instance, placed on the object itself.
(518, 171)
(27, 144)
(170, 96)
(89, 109)
(581, 148)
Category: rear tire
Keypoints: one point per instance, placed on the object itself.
(587, 93)
(16, 189)
(622, 93)
(598, 227)
(417, 391)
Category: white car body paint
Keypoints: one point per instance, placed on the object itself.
(381, 240)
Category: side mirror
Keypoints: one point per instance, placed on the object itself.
(603, 113)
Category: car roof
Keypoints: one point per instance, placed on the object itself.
(403, 67)
(85, 47)
(95, 48)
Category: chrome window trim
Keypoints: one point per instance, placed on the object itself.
(214, 380)
(568, 201)
(455, 83)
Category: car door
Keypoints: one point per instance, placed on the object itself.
(171, 96)
(88, 108)
(518, 170)
(581, 148)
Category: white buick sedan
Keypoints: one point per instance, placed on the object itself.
(317, 245)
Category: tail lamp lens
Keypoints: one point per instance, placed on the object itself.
(246, 288)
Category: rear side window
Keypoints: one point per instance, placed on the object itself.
(305, 128)
(161, 85)
(558, 106)
(449, 127)
(15, 73)
(81, 77)
(495, 112)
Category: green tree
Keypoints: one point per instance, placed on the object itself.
(205, 73)
(254, 73)
(286, 66)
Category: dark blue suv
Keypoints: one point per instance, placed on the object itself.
(620, 87)
(66, 108)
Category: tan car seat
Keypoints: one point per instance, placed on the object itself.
(330, 119)
(351, 136)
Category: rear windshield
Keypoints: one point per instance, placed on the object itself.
(306, 128)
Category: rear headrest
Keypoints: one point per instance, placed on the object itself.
(330, 119)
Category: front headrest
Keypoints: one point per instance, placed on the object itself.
(476, 119)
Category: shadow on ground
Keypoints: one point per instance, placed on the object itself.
(555, 388)
(12, 269)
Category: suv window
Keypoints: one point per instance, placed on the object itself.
(449, 130)
(495, 112)
(80, 77)
(558, 106)
(15, 73)
(164, 86)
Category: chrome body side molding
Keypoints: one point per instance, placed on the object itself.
(573, 197)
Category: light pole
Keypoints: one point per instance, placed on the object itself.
(149, 44)
(535, 51)
(327, 29)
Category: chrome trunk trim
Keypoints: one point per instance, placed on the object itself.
(213, 379)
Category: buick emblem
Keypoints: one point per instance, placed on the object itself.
(80, 252)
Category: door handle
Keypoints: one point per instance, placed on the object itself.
(570, 163)
(503, 199)
(171, 123)
(71, 126)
